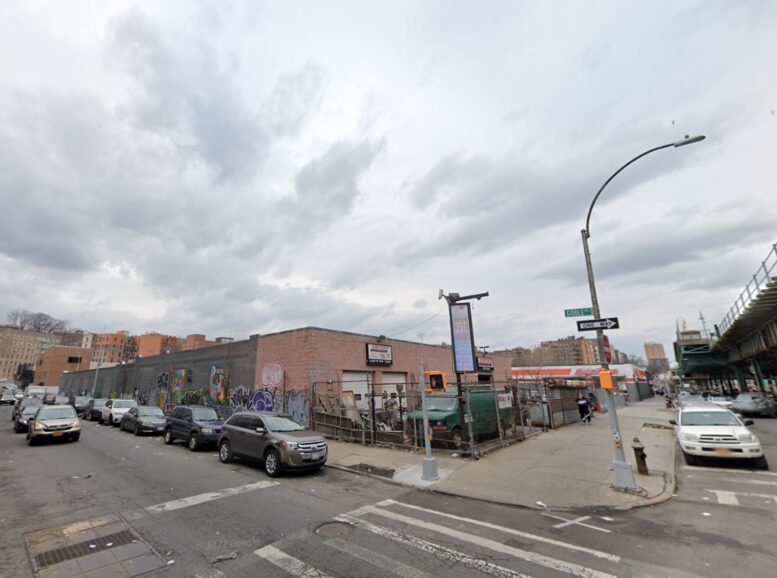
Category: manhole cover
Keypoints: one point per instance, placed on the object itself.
(334, 529)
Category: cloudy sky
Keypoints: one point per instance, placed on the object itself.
(231, 168)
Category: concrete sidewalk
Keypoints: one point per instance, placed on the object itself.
(568, 468)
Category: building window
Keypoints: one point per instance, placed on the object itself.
(74, 359)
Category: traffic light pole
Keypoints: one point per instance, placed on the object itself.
(429, 471)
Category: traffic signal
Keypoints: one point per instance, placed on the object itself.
(437, 382)
(605, 379)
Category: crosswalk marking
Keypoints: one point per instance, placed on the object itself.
(441, 552)
(536, 538)
(546, 561)
(207, 497)
(576, 522)
(754, 482)
(728, 471)
(730, 498)
(376, 559)
(288, 563)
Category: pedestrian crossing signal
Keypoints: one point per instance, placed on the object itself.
(437, 382)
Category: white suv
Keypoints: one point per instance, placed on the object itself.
(114, 410)
(712, 431)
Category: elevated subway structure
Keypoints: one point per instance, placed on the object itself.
(744, 344)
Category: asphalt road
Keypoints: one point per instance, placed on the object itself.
(191, 510)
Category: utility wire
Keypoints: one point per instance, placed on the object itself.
(417, 324)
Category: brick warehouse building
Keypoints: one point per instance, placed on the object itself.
(279, 371)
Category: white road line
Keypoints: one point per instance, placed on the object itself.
(207, 497)
(733, 499)
(535, 537)
(546, 561)
(754, 482)
(728, 471)
(576, 522)
(376, 559)
(442, 553)
(288, 563)
(725, 497)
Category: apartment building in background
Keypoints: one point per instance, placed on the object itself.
(19, 349)
(569, 351)
(59, 359)
(113, 348)
(656, 357)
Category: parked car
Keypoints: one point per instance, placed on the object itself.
(144, 419)
(197, 424)
(753, 404)
(114, 410)
(80, 404)
(22, 403)
(720, 399)
(61, 400)
(691, 399)
(22, 420)
(54, 422)
(94, 408)
(713, 431)
(7, 397)
(277, 440)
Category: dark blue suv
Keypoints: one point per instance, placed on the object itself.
(198, 425)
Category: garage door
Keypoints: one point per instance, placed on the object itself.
(358, 383)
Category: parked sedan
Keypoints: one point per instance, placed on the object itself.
(114, 410)
(22, 420)
(277, 440)
(80, 404)
(753, 404)
(7, 397)
(94, 408)
(22, 403)
(144, 419)
(54, 422)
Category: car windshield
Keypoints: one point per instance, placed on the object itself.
(150, 412)
(30, 410)
(32, 402)
(82, 399)
(99, 402)
(205, 415)
(56, 413)
(441, 403)
(124, 403)
(280, 424)
(709, 418)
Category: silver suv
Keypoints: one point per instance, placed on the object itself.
(277, 440)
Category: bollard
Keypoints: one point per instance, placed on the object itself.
(640, 456)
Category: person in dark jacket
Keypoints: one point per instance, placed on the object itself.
(584, 407)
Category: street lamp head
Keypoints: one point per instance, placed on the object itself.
(689, 140)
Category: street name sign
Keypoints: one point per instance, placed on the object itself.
(594, 324)
(582, 312)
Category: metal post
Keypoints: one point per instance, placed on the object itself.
(496, 405)
(96, 372)
(429, 471)
(472, 449)
(623, 475)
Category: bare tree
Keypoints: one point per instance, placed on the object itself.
(39, 322)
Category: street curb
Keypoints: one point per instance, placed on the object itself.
(670, 485)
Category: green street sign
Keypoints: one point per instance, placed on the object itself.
(582, 312)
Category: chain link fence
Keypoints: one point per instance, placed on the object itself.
(492, 415)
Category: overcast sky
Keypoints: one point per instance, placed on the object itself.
(232, 168)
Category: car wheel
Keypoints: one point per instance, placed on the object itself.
(136, 431)
(194, 444)
(168, 437)
(100, 419)
(31, 440)
(110, 421)
(16, 428)
(690, 460)
(75, 437)
(272, 463)
(761, 463)
(225, 452)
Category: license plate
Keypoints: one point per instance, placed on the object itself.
(316, 455)
(723, 451)
(58, 434)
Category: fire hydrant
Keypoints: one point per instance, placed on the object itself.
(640, 456)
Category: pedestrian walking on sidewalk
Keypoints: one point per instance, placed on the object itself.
(584, 407)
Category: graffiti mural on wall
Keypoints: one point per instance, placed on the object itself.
(177, 381)
(193, 397)
(272, 375)
(297, 405)
(219, 384)
(262, 401)
(241, 399)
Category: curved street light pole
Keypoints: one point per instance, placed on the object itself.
(623, 475)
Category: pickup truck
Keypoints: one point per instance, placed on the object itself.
(198, 425)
